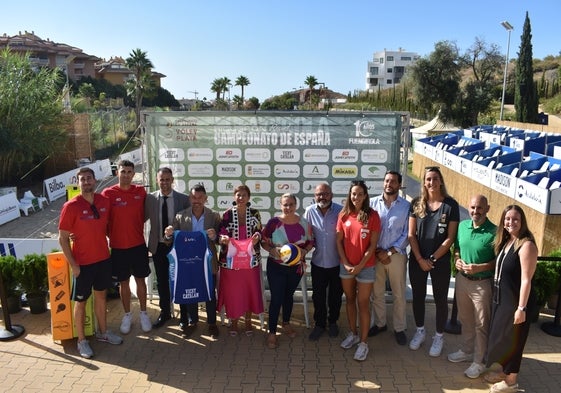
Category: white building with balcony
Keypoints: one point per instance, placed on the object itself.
(387, 68)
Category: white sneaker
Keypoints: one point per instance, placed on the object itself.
(126, 323)
(475, 370)
(417, 340)
(350, 340)
(145, 323)
(361, 352)
(436, 347)
(109, 337)
(460, 356)
(84, 349)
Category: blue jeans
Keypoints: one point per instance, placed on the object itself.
(283, 281)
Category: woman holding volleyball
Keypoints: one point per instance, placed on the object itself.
(283, 277)
(358, 228)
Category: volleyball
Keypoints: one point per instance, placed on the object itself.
(290, 254)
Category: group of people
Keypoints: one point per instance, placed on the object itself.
(494, 269)
(357, 249)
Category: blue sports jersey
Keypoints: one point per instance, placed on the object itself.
(190, 268)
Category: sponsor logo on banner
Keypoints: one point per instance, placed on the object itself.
(228, 186)
(259, 186)
(373, 171)
(345, 155)
(316, 155)
(257, 155)
(258, 170)
(233, 154)
(364, 128)
(284, 186)
(287, 155)
(290, 171)
(374, 156)
(315, 171)
(199, 154)
(228, 170)
(200, 170)
(171, 154)
(349, 171)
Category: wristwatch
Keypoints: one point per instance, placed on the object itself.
(432, 258)
(522, 308)
(390, 252)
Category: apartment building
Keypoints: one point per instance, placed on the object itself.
(46, 53)
(387, 68)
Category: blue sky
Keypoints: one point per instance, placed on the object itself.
(277, 44)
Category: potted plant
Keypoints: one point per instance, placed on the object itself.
(33, 279)
(10, 270)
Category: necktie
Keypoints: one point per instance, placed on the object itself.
(165, 217)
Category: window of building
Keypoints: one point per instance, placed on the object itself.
(390, 70)
(373, 81)
(381, 60)
(406, 58)
(396, 80)
(389, 82)
(399, 70)
(373, 70)
(390, 58)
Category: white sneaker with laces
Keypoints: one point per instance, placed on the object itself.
(145, 323)
(475, 370)
(84, 349)
(436, 347)
(417, 340)
(460, 356)
(109, 337)
(350, 340)
(126, 323)
(361, 352)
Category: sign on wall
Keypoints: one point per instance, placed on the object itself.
(272, 152)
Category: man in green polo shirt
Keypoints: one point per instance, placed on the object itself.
(475, 261)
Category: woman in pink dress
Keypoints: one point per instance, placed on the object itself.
(239, 290)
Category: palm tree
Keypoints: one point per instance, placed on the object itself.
(311, 82)
(225, 81)
(216, 87)
(242, 81)
(141, 67)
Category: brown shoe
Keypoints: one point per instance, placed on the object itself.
(272, 341)
(494, 376)
(288, 330)
(213, 331)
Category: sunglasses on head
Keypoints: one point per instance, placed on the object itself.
(358, 183)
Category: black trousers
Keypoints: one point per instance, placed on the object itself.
(327, 294)
(161, 266)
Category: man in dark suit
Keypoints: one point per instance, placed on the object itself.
(158, 202)
(198, 217)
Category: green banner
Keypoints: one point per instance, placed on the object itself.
(272, 153)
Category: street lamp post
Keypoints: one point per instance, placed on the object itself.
(509, 28)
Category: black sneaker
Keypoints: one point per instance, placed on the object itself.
(401, 338)
(333, 330)
(374, 330)
(316, 333)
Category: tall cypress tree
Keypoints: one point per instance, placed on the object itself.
(525, 92)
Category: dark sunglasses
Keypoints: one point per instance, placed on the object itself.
(95, 211)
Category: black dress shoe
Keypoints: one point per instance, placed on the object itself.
(161, 321)
(401, 338)
(374, 330)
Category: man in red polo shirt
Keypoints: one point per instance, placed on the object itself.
(85, 217)
(126, 239)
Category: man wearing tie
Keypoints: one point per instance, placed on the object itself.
(161, 206)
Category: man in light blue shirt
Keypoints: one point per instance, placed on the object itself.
(326, 283)
(391, 260)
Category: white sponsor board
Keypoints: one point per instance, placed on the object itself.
(9, 208)
(55, 187)
(22, 247)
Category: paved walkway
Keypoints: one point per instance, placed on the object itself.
(163, 361)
